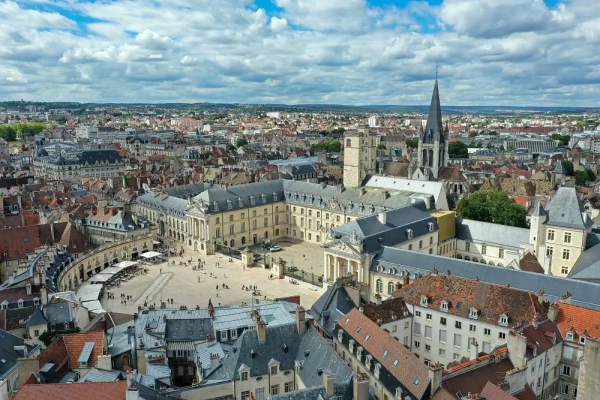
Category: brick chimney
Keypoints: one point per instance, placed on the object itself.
(406, 280)
(378, 299)
(301, 320)
(541, 297)
(436, 372)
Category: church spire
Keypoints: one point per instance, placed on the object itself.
(434, 129)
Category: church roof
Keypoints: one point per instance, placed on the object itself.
(559, 169)
(434, 129)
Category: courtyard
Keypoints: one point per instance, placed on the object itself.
(191, 288)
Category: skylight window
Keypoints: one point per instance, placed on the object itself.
(395, 363)
(347, 320)
(367, 337)
(358, 329)
(416, 382)
(385, 353)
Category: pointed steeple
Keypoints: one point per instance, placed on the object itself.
(538, 211)
(434, 130)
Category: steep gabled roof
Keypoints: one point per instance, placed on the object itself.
(434, 129)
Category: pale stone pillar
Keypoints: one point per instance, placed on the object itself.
(336, 267)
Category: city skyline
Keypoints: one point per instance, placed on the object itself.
(520, 53)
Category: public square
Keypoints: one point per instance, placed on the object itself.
(189, 287)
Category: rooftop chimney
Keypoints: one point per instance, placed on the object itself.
(104, 362)
(541, 297)
(328, 383)
(382, 218)
(553, 312)
(406, 280)
(301, 320)
(435, 376)
(261, 330)
(378, 299)
(360, 387)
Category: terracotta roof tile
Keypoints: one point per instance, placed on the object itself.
(578, 320)
(388, 311)
(73, 391)
(493, 392)
(75, 342)
(490, 301)
(387, 351)
(58, 354)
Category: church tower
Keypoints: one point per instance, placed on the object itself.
(433, 146)
(360, 156)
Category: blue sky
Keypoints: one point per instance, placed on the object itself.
(490, 52)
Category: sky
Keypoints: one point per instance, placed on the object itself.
(355, 52)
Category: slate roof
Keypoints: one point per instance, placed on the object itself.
(92, 157)
(495, 234)
(566, 210)
(317, 356)
(340, 392)
(272, 348)
(60, 312)
(188, 329)
(541, 337)
(397, 262)
(411, 372)
(8, 354)
(37, 318)
(587, 266)
(330, 307)
(70, 391)
(169, 204)
(394, 231)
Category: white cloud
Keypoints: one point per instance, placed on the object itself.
(309, 51)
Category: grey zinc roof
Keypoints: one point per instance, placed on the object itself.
(118, 339)
(434, 126)
(317, 356)
(86, 352)
(163, 202)
(59, 312)
(185, 191)
(587, 266)
(98, 375)
(272, 348)
(341, 391)
(8, 353)
(395, 262)
(486, 232)
(103, 155)
(566, 210)
(188, 329)
(274, 314)
(331, 306)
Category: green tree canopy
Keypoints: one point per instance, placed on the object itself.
(569, 169)
(13, 132)
(241, 142)
(381, 146)
(493, 206)
(330, 146)
(412, 143)
(563, 140)
(581, 177)
(458, 150)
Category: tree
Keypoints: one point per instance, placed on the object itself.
(329, 146)
(493, 206)
(381, 146)
(458, 150)
(412, 143)
(568, 167)
(563, 140)
(582, 177)
(241, 142)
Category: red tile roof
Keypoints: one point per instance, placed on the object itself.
(75, 343)
(408, 367)
(578, 320)
(493, 392)
(74, 391)
(58, 354)
(490, 301)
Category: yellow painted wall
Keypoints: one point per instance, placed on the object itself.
(446, 224)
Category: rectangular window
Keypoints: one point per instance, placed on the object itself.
(549, 251)
(501, 335)
(467, 246)
(417, 313)
(417, 345)
(458, 325)
(564, 389)
(500, 253)
(564, 270)
(566, 254)
(244, 376)
(442, 336)
(427, 347)
(274, 389)
(565, 370)
(260, 393)
(567, 237)
(442, 352)
(487, 331)
(457, 340)
(417, 329)
(231, 229)
(483, 249)
(420, 244)
(288, 387)
(442, 320)
(472, 328)
(428, 332)
(550, 234)
(245, 395)
(274, 370)
(410, 247)
(429, 317)
(406, 324)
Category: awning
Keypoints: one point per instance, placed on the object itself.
(150, 254)
(125, 264)
(88, 297)
(155, 242)
(90, 289)
(94, 306)
(100, 278)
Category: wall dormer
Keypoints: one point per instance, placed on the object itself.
(424, 301)
(409, 233)
(444, 306)
(503, 321)
(473, 313)
(244, 372)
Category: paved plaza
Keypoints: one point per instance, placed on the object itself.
(190, 287)
(307, 257)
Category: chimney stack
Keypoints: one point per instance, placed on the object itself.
(301, 320)
(553, 312)
(406, 280)
(360, 387)
(261, 330)
(104, 362)
(541, 297)
(436, 372)
(382, 218)
(44, 295)
(328, 383)
(378, 299)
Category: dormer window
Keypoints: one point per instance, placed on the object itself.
(424, 301)
(252, 200)
(582, 340)
(444, 306)
(503, 320)
(359, 351)
(244, 375)
(377, 370)
(368, 361)
(20, 303)
(409, 233)
(430, 225)
(473, 313)
(264, 198)
(570, 336)
(340, 334)
(351, 345)
(274, 196)
(36, 302)
(229, 204)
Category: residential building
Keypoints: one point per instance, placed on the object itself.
(113, 225)
(11, 349)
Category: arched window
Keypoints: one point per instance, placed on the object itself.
(430, 158)
(425, 157)
(232, 243)
(500, 265)
(459, 256)
(492, 263)
(391, 287)
(482, 261)
(475, 259)
(467, 258)
(379, 286)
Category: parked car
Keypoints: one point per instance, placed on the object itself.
(266, 245)
(292, 269)
(275, 248)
